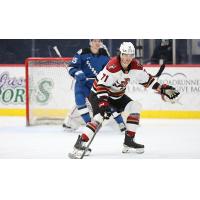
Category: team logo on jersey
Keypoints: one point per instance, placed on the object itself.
(74, 60)
(139, 65)
(91, 68)
(122, 84)
(125, 82)
(112, 67)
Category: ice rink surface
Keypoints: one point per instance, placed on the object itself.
(162, 139)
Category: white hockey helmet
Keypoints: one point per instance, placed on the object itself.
(127, 48)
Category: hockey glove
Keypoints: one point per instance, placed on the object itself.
(80, 76)
(169, 93)
(105, 109)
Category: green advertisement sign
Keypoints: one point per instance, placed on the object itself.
(12, 90)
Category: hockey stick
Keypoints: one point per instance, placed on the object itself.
(72, 156)
(99, 119)
(160, 71)
(87, 147)
(59, 55)
(65, 64)
(57, 51)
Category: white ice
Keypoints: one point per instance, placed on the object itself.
(162, 139)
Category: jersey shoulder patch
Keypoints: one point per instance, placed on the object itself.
(113, 65)
(80, 51)
(136, 65)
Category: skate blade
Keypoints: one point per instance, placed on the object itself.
(68, 130)
(132, 150)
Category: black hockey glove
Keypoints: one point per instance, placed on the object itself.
(105, 109)
(170, 92)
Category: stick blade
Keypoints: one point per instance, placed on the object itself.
(72, 156)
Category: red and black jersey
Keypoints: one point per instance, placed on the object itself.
(113, 79)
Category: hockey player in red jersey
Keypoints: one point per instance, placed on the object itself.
(108, 92)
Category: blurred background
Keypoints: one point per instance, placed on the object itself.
(148, 51)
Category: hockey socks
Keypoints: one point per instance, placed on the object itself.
(84, 112)
(118, 118)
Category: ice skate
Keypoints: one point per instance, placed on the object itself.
(131, 146)
(68, 128)
(79, 148)
(70, 124)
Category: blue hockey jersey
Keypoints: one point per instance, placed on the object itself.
(91, 64)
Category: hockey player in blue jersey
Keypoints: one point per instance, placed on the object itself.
(85, 66)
